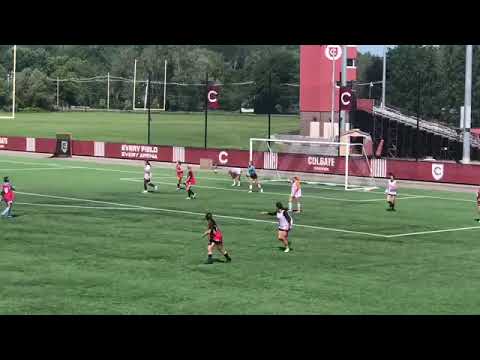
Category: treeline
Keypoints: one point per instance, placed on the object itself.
(432, 74)
(429, 80)
(39, 66)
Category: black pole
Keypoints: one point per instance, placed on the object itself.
(149, 118)
(206, 108)
(269, 103)
(417, 133)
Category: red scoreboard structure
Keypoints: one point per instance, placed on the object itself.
(316, 88)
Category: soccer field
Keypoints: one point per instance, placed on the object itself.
(85, 240)
(232, 131)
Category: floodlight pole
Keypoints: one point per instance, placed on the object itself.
(14, 71)
(206, 109)
(342, 121)
(269, 103)
(108, 91)
(333, 100)
(134, 82)
(384, 75)
(58, 93)
(149, 118)
(468, 105)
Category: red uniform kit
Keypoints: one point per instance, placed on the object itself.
(189, 183)
(8, 193)
(190, 178)
(179, 171)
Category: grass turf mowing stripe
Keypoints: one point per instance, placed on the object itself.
(202, 214)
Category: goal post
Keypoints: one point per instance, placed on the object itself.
(146, 89)
(329, 163)
(12, 116)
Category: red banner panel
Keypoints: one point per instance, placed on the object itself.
(13, 143)
(138, 152)
(212, 97)
(43, 145)
(220, 157)
(435, 171)
(83, 148)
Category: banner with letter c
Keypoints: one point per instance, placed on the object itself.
(212, 97)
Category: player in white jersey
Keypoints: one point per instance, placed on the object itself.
(285, 223)
(235, 173)
(147, 177)
(295, 194)
(391, 192)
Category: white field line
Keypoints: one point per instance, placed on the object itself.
(76, 206)
(410, 196)
(29, 163)
(74, 199)
(38, 168)
(265, 192)
(132, 207)
(433, 231)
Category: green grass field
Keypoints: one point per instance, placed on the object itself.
(85, 240)
(224, 130)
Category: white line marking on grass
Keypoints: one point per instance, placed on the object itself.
(39, 168)
(77, 206)
(29, 163)
(433, 231)
(73, 199)
(138, 207)
(265, 192)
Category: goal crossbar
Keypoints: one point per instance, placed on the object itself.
(146, 90)
(347, 155)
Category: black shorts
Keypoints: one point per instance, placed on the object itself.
(254, 177)
(212, 241)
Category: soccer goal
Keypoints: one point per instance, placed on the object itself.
(323, 163)
(157, 89)
(11, 84)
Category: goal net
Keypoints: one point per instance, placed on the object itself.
(7, 89)
(141, 86)
(319, 163)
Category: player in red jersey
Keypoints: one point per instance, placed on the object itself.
(8, 195)
(215, 239)
(179, 170)
(189, 183)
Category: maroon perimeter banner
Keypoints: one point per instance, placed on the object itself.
(144, 152)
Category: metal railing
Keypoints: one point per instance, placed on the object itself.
(433, 127)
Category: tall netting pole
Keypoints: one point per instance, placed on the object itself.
(14, 71)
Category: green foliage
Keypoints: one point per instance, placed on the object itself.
(186, 64)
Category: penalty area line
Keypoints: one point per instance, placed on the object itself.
(433, 231)
(138, 207)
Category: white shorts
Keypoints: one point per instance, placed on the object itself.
(391, 193)
(296, 195)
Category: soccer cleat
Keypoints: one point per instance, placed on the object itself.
(156, 187)
(209, 261)
(188, 198)
(144, 191)
(233, 184)
(238, 184)
(261, 190)
(287, 250)
(249, 191)
(229, 259)
(194, 196)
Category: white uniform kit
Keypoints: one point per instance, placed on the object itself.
(391, 188)
(147, 173)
